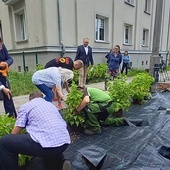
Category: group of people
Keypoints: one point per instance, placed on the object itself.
(45, 137)
(114, 60)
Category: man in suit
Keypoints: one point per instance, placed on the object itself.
(84, 53)
(5, 61)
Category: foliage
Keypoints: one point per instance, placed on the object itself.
(120, 92)
(133, 72)
(74, 99)
(97, 74)
(6, 125)
(141, 86)
(39, 67)
(114, 121)
(21, 83)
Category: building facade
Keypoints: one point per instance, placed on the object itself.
(36, 31)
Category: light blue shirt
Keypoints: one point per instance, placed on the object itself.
(126, 58)
(43, 122)
(49, 76)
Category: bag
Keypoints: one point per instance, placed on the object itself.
(128, 66)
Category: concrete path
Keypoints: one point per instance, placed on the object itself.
(20, 100)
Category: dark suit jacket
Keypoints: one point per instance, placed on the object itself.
(5, 57)
(81, 55)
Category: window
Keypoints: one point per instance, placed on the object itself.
(142, 63)
(147, 5)
(128, 34)
(145, 37)
(146, 62)
(20, 25)
(101, 28)
(131, 2)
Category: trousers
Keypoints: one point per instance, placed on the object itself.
(8, 103)
(11, 145)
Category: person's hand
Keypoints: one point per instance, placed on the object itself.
(7, 92)
(75, 112)
(63, 98)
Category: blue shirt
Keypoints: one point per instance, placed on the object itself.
(43, 122)
(126, 58)
(114, 62)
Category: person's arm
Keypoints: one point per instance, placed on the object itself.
(6, 91)
(8, 58)
(84, 103)
(59, 92)
(66, 86)
(91, 58)
(16, 130)
(77, 54)
(120, 59)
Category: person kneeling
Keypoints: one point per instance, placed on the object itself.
(96, 106)
(47, 135)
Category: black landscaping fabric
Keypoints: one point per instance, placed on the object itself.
(144, 144)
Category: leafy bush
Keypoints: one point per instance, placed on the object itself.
(134, 72)
(74, 99)
(97, 74)
(120, 92)
(6, 125)
(141, 86)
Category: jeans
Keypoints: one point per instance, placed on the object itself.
(47, 91)
(11, 145)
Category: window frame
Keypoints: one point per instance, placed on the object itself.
(130, 2)
(105, 28)
(147, 6)
(146, 44)
(20, 33)
(130, 34)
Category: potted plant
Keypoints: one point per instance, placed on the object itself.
(140, 86)
(120, 93)
(74, 98)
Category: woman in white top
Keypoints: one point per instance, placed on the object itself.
(50, 78)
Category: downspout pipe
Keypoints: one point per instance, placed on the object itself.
(60, 28)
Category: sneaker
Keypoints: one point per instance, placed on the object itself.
(90, 132)
(66, 165)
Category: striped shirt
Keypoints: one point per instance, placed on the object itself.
(43, 122)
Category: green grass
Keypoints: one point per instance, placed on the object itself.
(134, 72)
(21, 83)
(168, 68)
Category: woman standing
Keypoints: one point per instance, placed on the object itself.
(126, 61)
(114, 61)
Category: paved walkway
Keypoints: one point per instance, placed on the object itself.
(19, 100)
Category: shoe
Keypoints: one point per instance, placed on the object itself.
(66, 165)
(90, 132)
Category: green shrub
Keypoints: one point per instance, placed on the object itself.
(6, 125)
(134, 72)
(74, 99)
(120, 92)
(141, 86)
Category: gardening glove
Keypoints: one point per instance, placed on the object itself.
(3, 68)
